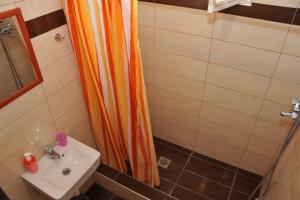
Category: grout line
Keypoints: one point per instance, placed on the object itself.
(267, 90)
(181, 173)
(229, 194)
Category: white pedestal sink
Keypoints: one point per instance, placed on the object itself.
(61, 178)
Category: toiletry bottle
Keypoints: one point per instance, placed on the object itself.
(30, 162)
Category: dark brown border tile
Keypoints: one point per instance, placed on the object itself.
(297, 18)
(107, 171)
(171, 174)
(45, 23)
(264, 12)
(197, 4)
(142, 189)
(165, 186)
(184, 194)
(250, 174)
(97, 192)
(214, 161)
(244, 184)
(151, 1)
(234, 195)
(204, 186)
(171, 145)
(177, 157)
(211, 171)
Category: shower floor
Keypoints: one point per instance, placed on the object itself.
(190, 176)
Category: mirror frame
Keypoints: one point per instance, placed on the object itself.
(16, 12)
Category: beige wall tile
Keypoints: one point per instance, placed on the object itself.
(146, 36)
(18, 133)
(59, 74)
(18, 191)
(186, 20)
(18, 107)
(148, 75)
(292, 43)
(222, 133)
(179, 85)
(146, 13)
(13, 168)
(183, 66)
(262, 147)
(173, 133)
(269, 131)
(287, 68)
(47, 50)
(283, 92)
(147, 55)
(255, 163)
(76, 115)
(65, 98)
(237, 80)
(176, 109)
(227, 117)
(218, 147)
(5, 6)
(83, 133)
(232, 100)
(173, 101)
(243, 57)
(250, 31)
(182, 44)
(6, 2)
(270, 111)
(36, 8)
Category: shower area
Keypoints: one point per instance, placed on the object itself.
(15, 68)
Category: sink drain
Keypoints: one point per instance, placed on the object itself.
(66, 171)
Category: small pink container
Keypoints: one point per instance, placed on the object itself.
(61, 138)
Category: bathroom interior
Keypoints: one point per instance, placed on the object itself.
(149, 99)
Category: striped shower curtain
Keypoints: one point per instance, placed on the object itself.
(105, 38)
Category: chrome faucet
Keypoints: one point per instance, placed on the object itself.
(50, 151)
(295, 110)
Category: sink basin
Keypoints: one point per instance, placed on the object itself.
(61, 178)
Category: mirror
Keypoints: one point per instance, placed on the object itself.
(19, 70)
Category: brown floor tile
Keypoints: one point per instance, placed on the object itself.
(142, 189)
(183, 194)
(250, 174)
(107, 171)
(98, 193)
(211, 171)
(165, 186)
(178, 158)
(171, 173)
(117, 198)
(204, 186)
(244, 184)
(175, 146)
(234, 195)
(214, 161)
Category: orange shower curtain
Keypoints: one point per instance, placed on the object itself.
(105, 39)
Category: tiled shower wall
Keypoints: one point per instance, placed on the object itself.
(55, 105)
(216, 83)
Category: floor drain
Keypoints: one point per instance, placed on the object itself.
(163, 162)
(66, 171)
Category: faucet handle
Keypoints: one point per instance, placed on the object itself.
(293, 115)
